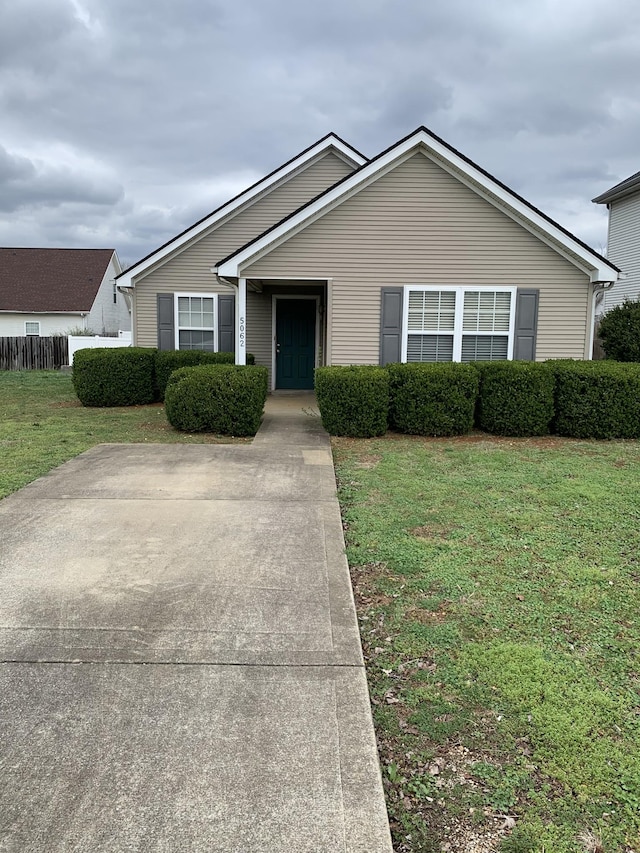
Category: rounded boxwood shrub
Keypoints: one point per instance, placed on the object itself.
(226, 399)
(354, 400)
(122, 376)
(169, 360)
(596, 399)
(432, 399)
(516, 398)
(619, 331)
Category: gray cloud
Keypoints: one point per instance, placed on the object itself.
(28, 184)
(130, 120)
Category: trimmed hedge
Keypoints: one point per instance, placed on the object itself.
(432, 399)
(596, 399)
(169, 360)
(122, 376)
(221, 398)
(516, 398)
(111, 379)
(354, 400)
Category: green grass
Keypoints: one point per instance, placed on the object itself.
(42, 424)
(498, 589)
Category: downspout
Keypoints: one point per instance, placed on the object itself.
(128, 298)
(127, 292)
(599, 289)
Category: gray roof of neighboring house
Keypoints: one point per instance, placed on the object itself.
(626, 187)
(51, 280)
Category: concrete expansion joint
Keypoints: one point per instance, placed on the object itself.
(61, 662)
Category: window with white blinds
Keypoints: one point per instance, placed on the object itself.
(195, 324)
(430, 323)
(458, 323)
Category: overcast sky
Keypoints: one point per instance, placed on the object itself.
(124, 121)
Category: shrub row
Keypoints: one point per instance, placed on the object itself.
(353, 400)
(133, 376)
(515, 398)
(124, 376)
(579, 399)
(223, 398)
(596, 399)
(432, 399)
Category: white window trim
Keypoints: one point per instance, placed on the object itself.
(32, 334)
(459, 314)
(178, 328)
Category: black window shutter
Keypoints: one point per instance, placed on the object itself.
(391, 325)
(166, 328)
(526, 325)
(226, 323)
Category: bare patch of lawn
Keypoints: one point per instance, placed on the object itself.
(498, 591)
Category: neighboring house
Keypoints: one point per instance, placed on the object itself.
(623, 242)
(417, 254)
(49, 291)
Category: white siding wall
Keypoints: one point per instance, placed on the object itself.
(106, 316)
(419, 225)
(190, 270)
(624, 249)
(12, 325)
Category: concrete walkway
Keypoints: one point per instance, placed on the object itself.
(181, 661)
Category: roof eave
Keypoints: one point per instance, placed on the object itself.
(79, 311)
(328, 142)
(607, 198)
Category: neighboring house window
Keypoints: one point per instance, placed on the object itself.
(458, 323)
(195, 322)
(32, 327)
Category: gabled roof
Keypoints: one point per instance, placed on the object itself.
(626, 187)
(51, 280)
(499, 194)
(330, 142)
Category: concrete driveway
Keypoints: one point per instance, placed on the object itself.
(181, 660)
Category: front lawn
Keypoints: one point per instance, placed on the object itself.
(42, 424)
(498, 591)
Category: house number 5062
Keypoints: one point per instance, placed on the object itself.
(242, 334)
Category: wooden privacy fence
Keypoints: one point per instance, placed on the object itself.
(33, 353)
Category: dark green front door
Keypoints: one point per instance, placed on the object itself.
(295, 343)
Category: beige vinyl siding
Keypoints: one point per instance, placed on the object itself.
(624, 249)
(190, 269)
(259, 328)
(417, 224)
